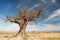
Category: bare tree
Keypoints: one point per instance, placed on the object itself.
(24, 17)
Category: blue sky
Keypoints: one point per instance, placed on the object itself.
(11, 8)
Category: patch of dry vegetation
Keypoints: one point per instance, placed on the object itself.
(31, 36)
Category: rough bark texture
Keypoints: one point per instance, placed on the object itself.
(22, 29)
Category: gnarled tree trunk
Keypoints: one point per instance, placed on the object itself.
(22, 29)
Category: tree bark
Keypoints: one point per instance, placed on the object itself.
(23, 28)
(23, 33)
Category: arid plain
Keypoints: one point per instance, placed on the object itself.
(31, 36)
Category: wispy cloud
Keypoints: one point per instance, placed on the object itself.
(7, 26)
(53, 1)
(14, 27)
(18, 6)
(37, 5)
(8, 6)
(44, 1)
(45, 27)
(54, 14)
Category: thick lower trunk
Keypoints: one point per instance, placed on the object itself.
(23, 33)
(23, 28)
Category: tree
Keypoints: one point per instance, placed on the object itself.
(24, 17)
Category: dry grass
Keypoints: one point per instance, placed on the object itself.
(31, 36)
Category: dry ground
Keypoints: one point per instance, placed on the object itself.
(31, 36)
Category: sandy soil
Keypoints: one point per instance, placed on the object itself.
(31, 36)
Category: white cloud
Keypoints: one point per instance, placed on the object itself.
(45, 27)
(48, 5)
(53, 1)
(7, 26)
(14, 27)
(51, 27)
(54, 14)
(18, 6)
(37, 5)
(44, 1)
